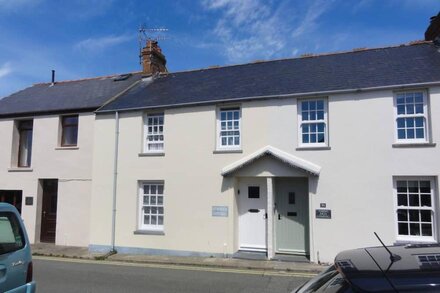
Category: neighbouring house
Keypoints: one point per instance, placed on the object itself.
(304, 156)
(46, 153)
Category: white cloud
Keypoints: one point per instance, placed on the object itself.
(257, 29)
(309, 22)
(101, 43)
(5, 69)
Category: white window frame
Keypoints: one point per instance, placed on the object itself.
(425, 116)
(142, 205)
(146, 143)
(219, 128)
(433, 209)
(301, 123)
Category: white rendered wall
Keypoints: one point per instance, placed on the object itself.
(356, 181)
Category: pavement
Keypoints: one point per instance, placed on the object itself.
(51, 250)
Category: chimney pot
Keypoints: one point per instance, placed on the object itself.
(53, 77)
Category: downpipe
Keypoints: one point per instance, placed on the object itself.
(115, 183)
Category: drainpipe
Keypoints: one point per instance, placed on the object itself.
(115, 180)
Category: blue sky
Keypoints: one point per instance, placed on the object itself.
(86, 38)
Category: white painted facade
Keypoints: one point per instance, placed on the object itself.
(70, 166)
(358, 166)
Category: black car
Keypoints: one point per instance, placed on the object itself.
(409, 268)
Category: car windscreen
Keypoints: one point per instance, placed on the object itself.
(11, 234)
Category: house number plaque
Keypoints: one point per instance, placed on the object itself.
(323, 214)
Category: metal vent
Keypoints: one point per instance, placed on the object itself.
(345, 265)
(429, 261)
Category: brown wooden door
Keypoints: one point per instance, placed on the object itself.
(49, 210)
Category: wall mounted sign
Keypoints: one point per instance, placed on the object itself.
(323, 214)
(220, 211)
(29, 200)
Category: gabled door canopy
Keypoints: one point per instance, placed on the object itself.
(284, 157)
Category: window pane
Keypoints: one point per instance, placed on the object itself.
(400, 109)
(418, 97)
(401, 186)
(321, 137)
(414, 200)
(146, 200)
(403, 229)
(146, 220)
(414, 229)
(320, 105)
(160, 200)
(420, 133)
(425, 186)
(305, 138)
(426, 230)
(414, 215)
(305, 106)
(401, 134)
(153, 220)
(402, 215)
(419, 108)
(413, 186)
(425, 200)
(153, 200)
(425, 216)
(70, 135)
(402, 200)
(160, 220)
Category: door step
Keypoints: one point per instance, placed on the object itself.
(250, 255)
(292, 258)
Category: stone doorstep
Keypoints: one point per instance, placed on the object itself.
(230, 263)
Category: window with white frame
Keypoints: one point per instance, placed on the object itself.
(229, 128)
(151, 206)
(312, 116)
(411, 117)
(415, 209)
(153, 129)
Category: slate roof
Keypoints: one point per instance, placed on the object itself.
(64, 96)
(400, 65)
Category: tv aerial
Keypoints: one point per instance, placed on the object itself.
(146, 34)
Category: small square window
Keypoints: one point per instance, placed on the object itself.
(254, 191)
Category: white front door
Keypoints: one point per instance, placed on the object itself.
(252, 202)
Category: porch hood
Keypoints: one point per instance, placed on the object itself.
(278, 154)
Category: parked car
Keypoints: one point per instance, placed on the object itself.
(15, 253)
(406, 268)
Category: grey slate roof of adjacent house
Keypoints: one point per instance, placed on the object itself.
(64, 96)
(400, 65)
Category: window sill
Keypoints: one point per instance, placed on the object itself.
(414, 145)
(149, 232)
(152, 154)
(67, 148)
(414, 242)
(226, 151)
(313, 148)
(20, 169)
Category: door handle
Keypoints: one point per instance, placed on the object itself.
(265, 216)
(279, 216)
(44, 214)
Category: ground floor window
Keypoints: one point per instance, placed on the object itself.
(416, 212)
(151, 206)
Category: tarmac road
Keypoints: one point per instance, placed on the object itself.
(67, 275)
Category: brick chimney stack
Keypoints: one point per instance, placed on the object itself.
(433, 31)
(153, 61)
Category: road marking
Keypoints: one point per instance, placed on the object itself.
(179, 267)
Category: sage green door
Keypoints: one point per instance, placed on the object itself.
(291, 216)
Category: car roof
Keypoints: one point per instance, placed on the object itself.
(414, 266)
(5, 207)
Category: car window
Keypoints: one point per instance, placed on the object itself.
(11, 234)
(318, 281)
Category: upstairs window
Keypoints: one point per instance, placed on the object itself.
(229, 128)
(69, 131)
(313, 123)
(154, 138)
(411, 117)
(25, 129)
